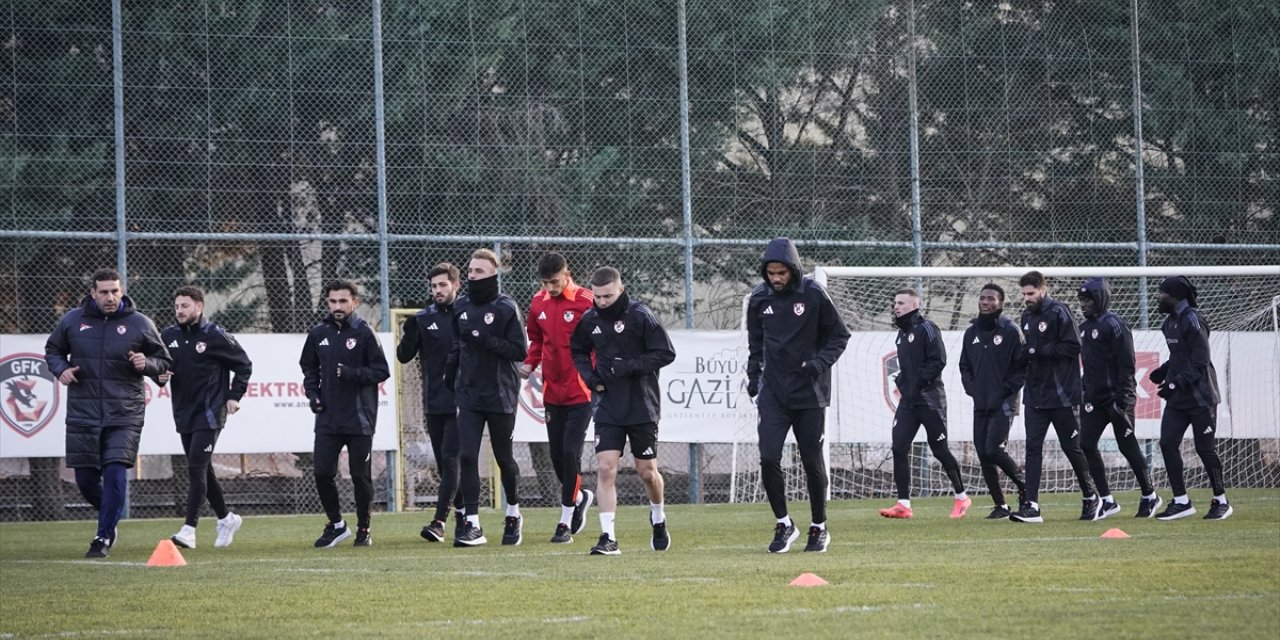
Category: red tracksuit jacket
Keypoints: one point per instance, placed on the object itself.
(551, 322)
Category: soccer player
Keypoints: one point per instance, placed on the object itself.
(487, 349)
(428, 336)
(921, 358)
(210, 375)
(553, 314)
(342, 366)
(101, 351)
(1189, 385)
(992, 372)
(1052, 393)
(1110, 395)
(794, 337)
(618, 348)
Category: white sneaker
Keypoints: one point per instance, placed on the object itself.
(185, 537)
(227, 528)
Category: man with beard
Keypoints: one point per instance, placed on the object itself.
(921, 358)
(428, 336)
(1189, 385)
(794, 337)
(487, 349)
(101, 351)
(1052, 393)
(992, 371)
(205, 359)
(342, 366)
(1110, 395)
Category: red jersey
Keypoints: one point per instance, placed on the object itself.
(551, 323)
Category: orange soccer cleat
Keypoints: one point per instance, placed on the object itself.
(961, 507)
(896, 511)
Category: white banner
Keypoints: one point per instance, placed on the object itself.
(274, 415)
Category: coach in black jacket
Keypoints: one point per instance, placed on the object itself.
(618, 348)
(1052, 393)
(488, 346)
(794, 337)
(342, 366)
(1189, 385)
(428, 336)
(921, 359)
(205, 357)
(1110, 395)
(992, 372)
(101, 351)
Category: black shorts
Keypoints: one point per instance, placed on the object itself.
(643, 437)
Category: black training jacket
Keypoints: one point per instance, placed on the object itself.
(992, 369)
(1053, 356)
(921, 358)
(1106, 350)
(428, 335)
(488, 347)
(630, 347)
(204, 358)
(1189, 374)
(350, 403)
(787, 329)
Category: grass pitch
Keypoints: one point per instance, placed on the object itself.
(928, 577)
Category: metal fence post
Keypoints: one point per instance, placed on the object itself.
(686, 205)
(117, 100)
(1139, 179)
(913, 123)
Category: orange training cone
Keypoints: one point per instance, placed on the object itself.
(166, 555)
(1114, 534)
(808, 580)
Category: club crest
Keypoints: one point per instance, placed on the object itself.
(29, 394)
(121, 329)
(619, 326)
(798, 308)
(488, 318)
(911, 337)
(1094, 334)
(1088, 407)
(568, 316)
(200, 347)
(997, 340)
(351, 343)
(1043, 326)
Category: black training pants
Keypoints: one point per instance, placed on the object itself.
(359, 460)
(470, 432)
(1068, 428)
(810, 428)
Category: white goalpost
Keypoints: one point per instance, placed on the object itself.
(1242, 304)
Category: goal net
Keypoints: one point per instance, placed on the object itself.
(1239, 302)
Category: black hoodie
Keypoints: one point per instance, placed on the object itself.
(921, 359)
(488, 347)
(1053, 356)
(1190, 379)
(991, 366)
(794, 336)
(350, 401)
(428, 335)
(204, 357)
(1106, 348)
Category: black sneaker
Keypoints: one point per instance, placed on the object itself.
(1218, 510)
(1176, 511)
(1092, 507)
(818, 540)
(1026, 513)
(562, 535)
(332, 536)
(471, 536)
(433, 532)
(99, 548)
(459, 524)
(661, 540)
(363, 539)
(1109, 508)
(606, 547)
(580, 510)
(1147, 508)
(999, 512)
(783, 536)
(512, 532)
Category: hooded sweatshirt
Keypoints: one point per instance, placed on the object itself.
(1106, 348)
(794, 336)
(1053, 356)
(921, 359)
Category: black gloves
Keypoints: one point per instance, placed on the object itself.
(814, 367)
(316, 407)
(753, 387)
(1158, 374)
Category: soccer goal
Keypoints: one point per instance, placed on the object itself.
(1239, 302)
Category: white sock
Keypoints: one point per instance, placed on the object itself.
(1182, 499)
(340, 525)
(785, 520)
(657, 514)
(186, 528)
(1108, 498)
(1035, 505)
(1152, 496)
(905, 503)
(820, 525)
(566, 515)
(606, 524)
(962, 496)
(474, 520)
(226, 519)
(513, 511)
(1222, 498)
